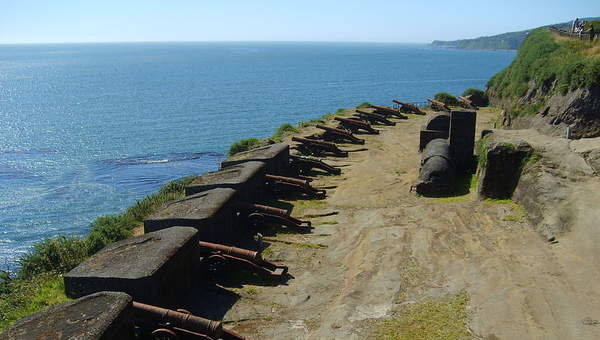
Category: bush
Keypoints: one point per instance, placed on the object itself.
(446, 98)
(282, 131)
(245, 145)
(363, 105)
(477, 96)
(54, 255)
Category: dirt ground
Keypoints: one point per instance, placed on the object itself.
(381, 248)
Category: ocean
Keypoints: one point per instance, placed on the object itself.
(88, 129)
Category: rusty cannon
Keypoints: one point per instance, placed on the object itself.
(374, 118)
(171, 325)
(315, 146)
(218, 257)
(355, 125)
(304, 164)
(257, 215)
(388, 111)
(467, 103)
(333, 133)
(438, 104)
(281, 184)
(406, 107)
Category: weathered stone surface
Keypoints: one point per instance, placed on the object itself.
(248, 179)
(153, 268)
(439, 122)
(275, 156)
(104, 316)
(427, 136)
(462, 138)
(211, 212)
(502, 169)
(437, 175)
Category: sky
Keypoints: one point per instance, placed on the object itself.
(415, 21)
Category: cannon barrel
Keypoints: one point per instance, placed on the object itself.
(356, 124)
(376, 117)
(409, 107)
(439, 104)
(144, 312)
(341, 133)
(309, 163)
(388, 111)
(261, 208)
(316, 144)
(231, 251)
(468, 102)
(287, 179)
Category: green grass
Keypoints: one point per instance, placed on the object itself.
(252, 291)
(435, 319)
(282, 131)
(517, 214)
(328, 222)
(246, 144)
(23, 297)
(446, 98)
(364, 105)
(544, 60)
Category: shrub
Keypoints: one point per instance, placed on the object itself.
(446, 98)
(282, 131)
(245, 145)
(363, 105)
(53, 255)
(477, 96)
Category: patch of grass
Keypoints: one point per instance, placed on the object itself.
(446, 98)
(517, 214)
(364, 105)
(340, 111)
(252, 290)
(267, 252)
(282, 131)
(310, 245)
(267, 318)
(445, 318)
(328, 222)
(534, 158)
(545, 61)
(24, 297)
(311, 122)
(246, 144)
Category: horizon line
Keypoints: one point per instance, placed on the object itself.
(207, 41)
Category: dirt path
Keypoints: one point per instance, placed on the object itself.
(386, 249)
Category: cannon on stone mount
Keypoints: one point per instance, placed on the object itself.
(355, 125)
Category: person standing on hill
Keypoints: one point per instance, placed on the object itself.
(574, 25)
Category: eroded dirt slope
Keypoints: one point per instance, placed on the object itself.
(386, 249)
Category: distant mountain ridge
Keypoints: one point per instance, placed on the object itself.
(504, 41)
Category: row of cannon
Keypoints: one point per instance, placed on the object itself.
(134, 288)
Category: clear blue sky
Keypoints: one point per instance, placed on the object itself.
(26, 21)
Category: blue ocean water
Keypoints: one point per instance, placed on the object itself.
(88, 129)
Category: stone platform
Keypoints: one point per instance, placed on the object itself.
(153, 268)
(275, 157)
(100, 316)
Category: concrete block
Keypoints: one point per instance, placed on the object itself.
(211, 212)
(153, 268)
(427, 136)
(275, 156)
(462, 138)
(100, 316)
(439, 122)
(248, 179)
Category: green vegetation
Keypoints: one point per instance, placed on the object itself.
(465, 185)
(477, 96)
(246, 144)
(517, 212)
(363, 105)
(445, 318)
(505, 41)
(282, 131)
(39, 284)
(20, 298)
(252, 291)
(545, 60)
(446, 98)
(328, 222)
(595, 24)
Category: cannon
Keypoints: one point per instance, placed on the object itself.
(180, 324)
(439, 105)
(437, 175)
(406, 107)
(467, 103)
(355, 125)
(333, 133)
(374, 117)
(303, 164)
(387, 111)
(313, 146)
(217, 257)
(257, 214)
(280, 184)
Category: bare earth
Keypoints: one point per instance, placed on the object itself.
(387, 248)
